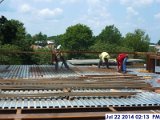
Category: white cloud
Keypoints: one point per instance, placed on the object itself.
(25, 8)
(69, 1)
(144, 2)
(141, 20)
(157, 16)
(50, 13)
(125, 2)
(97, 15)
(131, 11)
(158, 1)
(93, 2)
(99, 3)
(42, 0)
(136, 3)
(98, 8)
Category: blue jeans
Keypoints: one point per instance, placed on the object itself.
(124, 64)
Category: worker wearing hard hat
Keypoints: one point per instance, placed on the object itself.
(121, 62)
(103, 59)
(59, 57)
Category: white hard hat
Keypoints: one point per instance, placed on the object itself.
(59, 46)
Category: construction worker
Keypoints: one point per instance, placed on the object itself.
(59, 57)
(103, 59)
(121, 62)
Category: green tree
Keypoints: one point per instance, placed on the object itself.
(56, 39)
(102, 46)
(8, 32)
(9, 58)
(110, 34)
(20, 34)
(108, 40)
(152, 49)
(77, 37)
(137, 41)
(40, 39)
(3, 19)
(13, 36)
(27, 42)
(11, 32)
(158, 42)
(40, 59)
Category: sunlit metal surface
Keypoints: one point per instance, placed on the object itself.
(151, 77)
(140, 99)
(33, 71)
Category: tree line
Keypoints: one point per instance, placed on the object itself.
(79, 37)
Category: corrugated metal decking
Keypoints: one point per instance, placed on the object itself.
(140, 99)
(33, 71)
(36, 88)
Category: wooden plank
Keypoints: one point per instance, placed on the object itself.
(98, 82)
(70, 115)
(112, 109)
(54, 115)
(19, 111)
(61, 86)
(74, 82)
(80, 87)
(43, 81)
(110, 94)
(134, 75)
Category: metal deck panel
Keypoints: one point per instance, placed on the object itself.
(141, 99)
(38, 72)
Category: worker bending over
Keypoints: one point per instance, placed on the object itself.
(59, 57)
(103, 59)
(121, 62)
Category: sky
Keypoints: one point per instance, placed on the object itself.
(53, 17)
